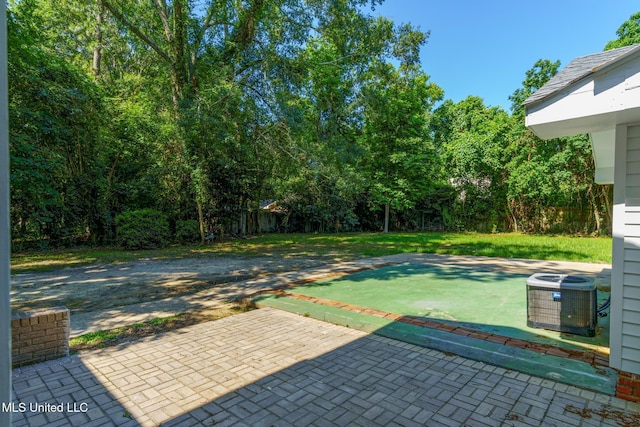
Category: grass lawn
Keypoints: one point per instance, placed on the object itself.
(341, 247)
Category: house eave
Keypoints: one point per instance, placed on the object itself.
(572, 125)
(581, 69)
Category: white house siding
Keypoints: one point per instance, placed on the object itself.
(625, 312)
(599, 94)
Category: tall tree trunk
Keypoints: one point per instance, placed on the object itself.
(512, 215)
(386, 218)
(592, 194)
(97, 50)
(606, 197)
(200, 221)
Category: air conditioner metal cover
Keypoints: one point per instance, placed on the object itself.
(564, 281)
(562, 303)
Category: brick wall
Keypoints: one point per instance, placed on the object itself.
(39, 335)
(628, 387)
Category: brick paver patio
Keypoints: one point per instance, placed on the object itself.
(269, 367)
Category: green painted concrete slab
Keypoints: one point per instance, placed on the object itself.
(489, 301)
(563, 370)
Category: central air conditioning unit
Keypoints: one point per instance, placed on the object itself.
(562, 303)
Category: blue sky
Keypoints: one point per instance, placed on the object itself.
(484, 48)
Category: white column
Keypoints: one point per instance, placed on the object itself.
(5, 240)
(617, 264)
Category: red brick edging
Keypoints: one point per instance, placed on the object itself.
(592, 358)
(628, 386)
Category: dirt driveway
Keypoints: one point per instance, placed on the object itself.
(107, 296)
(100, 287)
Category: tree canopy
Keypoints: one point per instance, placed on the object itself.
(628, 33)
(255, 116)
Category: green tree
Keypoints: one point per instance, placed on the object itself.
(535, 78)
(226, 62)
(321, 106)
(471, 139)
(56, 116)
(399, 159)
(549, 176)
(137, 162)
(628, 33)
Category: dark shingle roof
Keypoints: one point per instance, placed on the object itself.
(579, 68)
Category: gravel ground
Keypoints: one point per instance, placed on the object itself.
(100, 287)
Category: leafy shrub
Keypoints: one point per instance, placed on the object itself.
(187, 231)
(142, 229)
